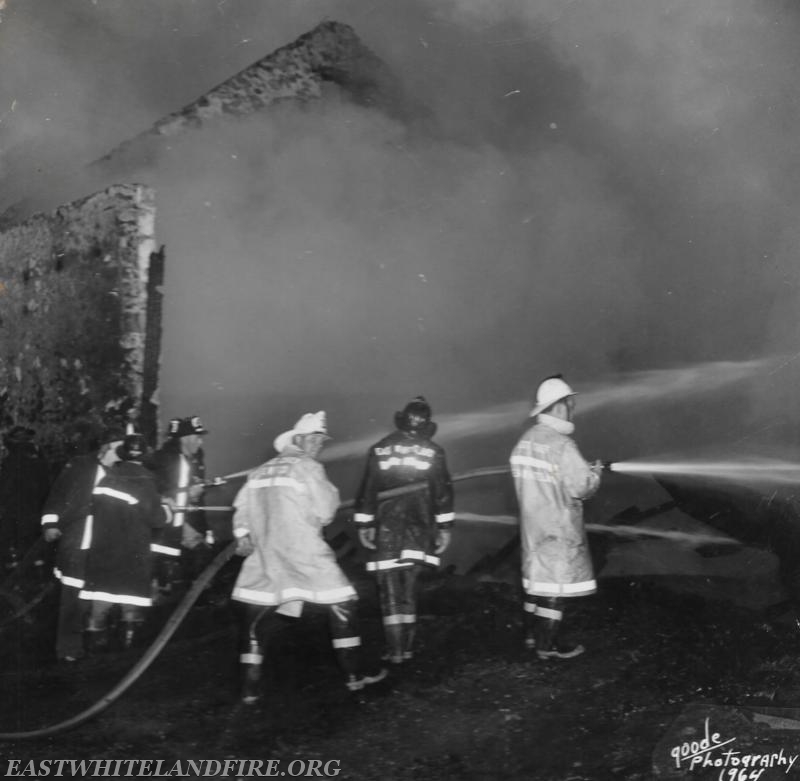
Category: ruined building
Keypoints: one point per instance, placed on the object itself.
(331, 53)
(79, 313)
(80, 286)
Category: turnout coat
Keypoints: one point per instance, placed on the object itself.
(552, 479)
(175, 473)
(407, 524)
(126, 511)
(66, 508)
(284, 506)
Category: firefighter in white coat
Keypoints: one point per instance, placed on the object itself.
(278, 520)
(552, 480)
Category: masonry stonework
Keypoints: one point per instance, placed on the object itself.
(73, 317)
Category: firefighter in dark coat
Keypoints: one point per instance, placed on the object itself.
(408, 531)
(179, 468)
(64, 519)
(126, 510)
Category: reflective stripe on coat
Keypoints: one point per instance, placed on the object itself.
(552, 479)
(408, 524)
(126, 510)
(284, 506)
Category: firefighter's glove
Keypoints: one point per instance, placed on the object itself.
(244, 545)
(367, 537)
(596, 467)
(51, 534)
(195, 493)
(442, 541)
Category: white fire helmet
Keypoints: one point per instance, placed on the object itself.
(550, 391)
(310, 423)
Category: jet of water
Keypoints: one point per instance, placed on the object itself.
(747, 470)
(617, 529)
(630, 388)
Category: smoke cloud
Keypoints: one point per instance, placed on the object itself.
(594, 189)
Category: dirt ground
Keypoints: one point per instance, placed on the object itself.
(473, 704)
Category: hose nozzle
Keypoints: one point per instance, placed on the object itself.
(608, 466)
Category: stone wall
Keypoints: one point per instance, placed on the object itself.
(73, 317)
(330, 53)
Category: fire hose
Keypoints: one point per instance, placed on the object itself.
(186, 604)
(145, 661)
(196, 589)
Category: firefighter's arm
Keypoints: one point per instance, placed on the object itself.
(50, 530)
(56, 502)
(442, 540)
(367, 502)
(323, 495)
(443, 494)
(241, 524)
(581, 479)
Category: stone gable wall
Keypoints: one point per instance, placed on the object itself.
(73, 316)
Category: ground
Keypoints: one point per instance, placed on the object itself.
(472, 705)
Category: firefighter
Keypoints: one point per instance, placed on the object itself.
(552, 480)
(179, 467)
(126, 510)
(65, 519)
(279, 515)
(409, 531)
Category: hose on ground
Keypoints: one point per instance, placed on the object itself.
(145, 661)
(186, 604)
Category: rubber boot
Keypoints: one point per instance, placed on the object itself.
(130, 631)
(409, 635)
(546, 645)
(251, 673)
(96, 641)
(529, 627)
(355, 677)
(395, 643)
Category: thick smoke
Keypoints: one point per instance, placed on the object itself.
(597, 189)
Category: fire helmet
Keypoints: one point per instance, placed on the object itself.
(133, 448)
(415, 415)
(310, 423)
(550, 391)
(186, 427)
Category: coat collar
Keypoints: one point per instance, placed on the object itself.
(558, 424)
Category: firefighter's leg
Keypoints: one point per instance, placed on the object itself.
(529, 621)
(347, 646)
(132, 620)
(549, 614)
(390, 592)
(408, 607)
(195, 554)
(97, 628)
(251, 656)
(167, 569)
(72, 612)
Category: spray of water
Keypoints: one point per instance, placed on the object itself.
(617, 530)
(751, 470)
(630, 388)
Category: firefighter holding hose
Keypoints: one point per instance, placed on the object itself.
(552, 481)
(179, 467)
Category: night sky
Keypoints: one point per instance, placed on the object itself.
(598, 189)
